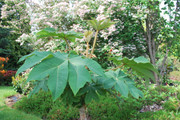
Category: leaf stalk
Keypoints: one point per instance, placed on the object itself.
(67, 44)
(115, 68)
(87, 49)
(94, 43)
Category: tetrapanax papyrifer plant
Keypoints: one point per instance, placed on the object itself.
(78, 79)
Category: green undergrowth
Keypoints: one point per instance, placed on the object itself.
(7, 113)
(158, 115)
(108, 107)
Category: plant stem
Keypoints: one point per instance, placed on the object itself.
(94, 43)
(67, 44)
(115, 68)
(82, 112)
(87, 48)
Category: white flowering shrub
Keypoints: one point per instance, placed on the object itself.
(68, 15)
(14, 15)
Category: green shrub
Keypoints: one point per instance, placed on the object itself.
(178, 92)
(42, 105)
(60, 111)
(39, 104)
(158, 115)
(156, 94)
(20, 85)
(109, 108)
(6, 78)
(172, 104)
(16, 51)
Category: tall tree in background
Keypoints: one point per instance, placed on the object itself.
(140, 30)
(159, 33)
(14, 21)
(152, 28)
(4, 33)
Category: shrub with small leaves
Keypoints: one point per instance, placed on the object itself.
(20, 85)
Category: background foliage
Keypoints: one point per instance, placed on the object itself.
(14, 21)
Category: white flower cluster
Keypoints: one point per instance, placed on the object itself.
(69, 15)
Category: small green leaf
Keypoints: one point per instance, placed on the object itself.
(134, 91)
(88, 35)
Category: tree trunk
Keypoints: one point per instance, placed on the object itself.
(152, 48)
(82, 112)
(163, 67)
(176, 15)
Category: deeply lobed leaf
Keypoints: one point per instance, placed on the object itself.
(139, 65)
(101, 24)
(60, 69)
(33, 59)
(51, 32)
(120, 82)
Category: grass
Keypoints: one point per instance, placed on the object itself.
(7, 113)
(5, 92)
(175, 75)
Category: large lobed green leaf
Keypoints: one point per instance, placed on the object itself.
(47, 32)
(51, 32)
(60, 69)
(140, 65)
(91, 92)
(33, 59)
(101, 24)
(120, 82)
